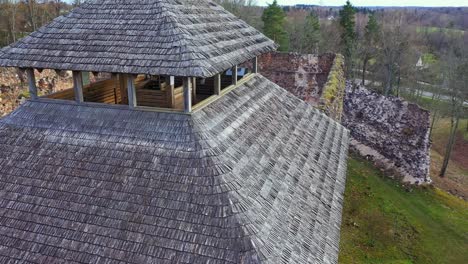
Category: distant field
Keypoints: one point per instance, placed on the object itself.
(436, 29)
(385, 222)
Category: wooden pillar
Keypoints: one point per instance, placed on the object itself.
(187, 95)
(123, 89)
(171, 94)
(116, 86)
(78, 86)
(255, 65)
(217, 84)
(194, 89)
(132, 102)
(32, 83)
(234, 75)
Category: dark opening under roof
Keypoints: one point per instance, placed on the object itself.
(160, 37)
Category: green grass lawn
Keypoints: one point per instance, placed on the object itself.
(385, 222)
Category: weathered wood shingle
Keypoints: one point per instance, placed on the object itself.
(257, 176)
(161, 37)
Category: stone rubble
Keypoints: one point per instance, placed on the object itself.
(389, 130)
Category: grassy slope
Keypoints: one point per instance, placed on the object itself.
(384, 222)
(456, 179)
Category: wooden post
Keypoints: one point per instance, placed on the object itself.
(123, 89)
(194, 89)
(217, 84)
(171, 92)
(255, 65)
(78, 86)
(32, 83)
(132, 102)
(234, 75)
(187, 95)
(114, 79)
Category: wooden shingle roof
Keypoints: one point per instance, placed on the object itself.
(256, 176)
(162, 37)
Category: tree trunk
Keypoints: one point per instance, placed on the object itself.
(32, 13)
(398, 83)
(364, 68)
(58, 8)
(434, 117)
(13, 20)
(448, 151)
(388, 85)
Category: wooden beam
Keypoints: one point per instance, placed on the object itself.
(187, 95)
(78, 86)
(132, 103)
(234, 75)
(32, 83)
(217, 84)
(255, 65)
(171, 92)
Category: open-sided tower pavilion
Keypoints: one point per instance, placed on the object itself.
(176, 155)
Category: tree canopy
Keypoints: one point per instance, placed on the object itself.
(348, 35)
(274, 19)
(312, 32)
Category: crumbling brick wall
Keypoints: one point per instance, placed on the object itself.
(14, 88)
(318, 80)
(391, 130)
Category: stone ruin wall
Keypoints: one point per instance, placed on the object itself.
(14, 88)
(318, 80)
(388, 130)
(391, 131)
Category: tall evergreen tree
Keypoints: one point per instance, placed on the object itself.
(311, 33)
(369, 44)
(274, 19)
(348, 35)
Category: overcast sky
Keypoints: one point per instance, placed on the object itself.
(372, 2)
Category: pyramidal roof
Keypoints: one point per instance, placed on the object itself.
(255, 177)
(161, 37)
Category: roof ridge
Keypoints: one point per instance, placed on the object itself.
(156, 37)
(186, 38)
(169, 8)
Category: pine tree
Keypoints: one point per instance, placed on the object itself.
(348, 36)
(311, 33)
(369, 44)
(274, 19)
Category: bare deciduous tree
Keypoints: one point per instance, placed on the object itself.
(393, 43)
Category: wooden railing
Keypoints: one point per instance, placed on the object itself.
(108, 91)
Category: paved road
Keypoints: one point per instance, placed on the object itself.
(424, 93)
